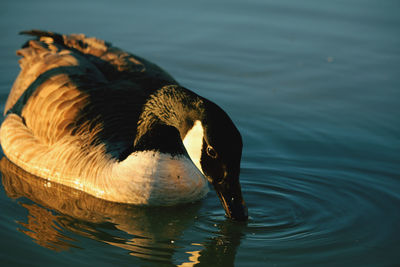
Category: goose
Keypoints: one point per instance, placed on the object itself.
(91, 116)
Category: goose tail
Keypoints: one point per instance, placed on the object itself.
(57, 38)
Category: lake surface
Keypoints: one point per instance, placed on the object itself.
(313, 86)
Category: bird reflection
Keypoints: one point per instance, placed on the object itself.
(221, 250)
(55, 211)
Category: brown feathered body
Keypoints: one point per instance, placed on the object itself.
(73, 117)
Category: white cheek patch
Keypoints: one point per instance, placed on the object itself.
(193, 143)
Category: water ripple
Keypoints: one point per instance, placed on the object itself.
(304, 207)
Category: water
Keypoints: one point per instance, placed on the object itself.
(312, 85)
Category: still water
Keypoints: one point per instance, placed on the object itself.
(313, 86)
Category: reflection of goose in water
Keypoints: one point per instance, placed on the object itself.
(88, 115)
(144, 232)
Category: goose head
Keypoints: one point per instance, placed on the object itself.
(215, 146)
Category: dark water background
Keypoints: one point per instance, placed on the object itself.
(314, 87)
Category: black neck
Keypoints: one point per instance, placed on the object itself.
(167, 116)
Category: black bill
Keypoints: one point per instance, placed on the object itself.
(230, 194)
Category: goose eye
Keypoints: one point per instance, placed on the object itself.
(211, 152)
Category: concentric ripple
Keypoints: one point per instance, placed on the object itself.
(296, 212)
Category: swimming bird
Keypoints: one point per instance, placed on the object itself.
(91, 116)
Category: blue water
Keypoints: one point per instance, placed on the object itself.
(313, 86)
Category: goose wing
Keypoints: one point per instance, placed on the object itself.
(72, 85)
(112, 62)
